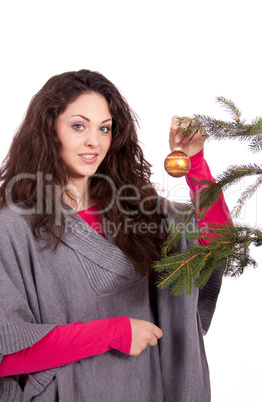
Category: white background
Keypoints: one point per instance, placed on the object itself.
(166, 57)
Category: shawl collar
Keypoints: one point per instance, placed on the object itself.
(84, 240)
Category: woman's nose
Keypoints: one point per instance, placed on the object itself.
(92, 138)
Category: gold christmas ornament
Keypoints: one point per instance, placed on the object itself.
(177, 164)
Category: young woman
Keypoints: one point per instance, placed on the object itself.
(80, 226)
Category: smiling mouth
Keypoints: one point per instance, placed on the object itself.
(89, 157)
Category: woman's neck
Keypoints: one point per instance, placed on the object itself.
(77, 196)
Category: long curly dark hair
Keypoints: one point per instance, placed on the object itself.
(136, 218)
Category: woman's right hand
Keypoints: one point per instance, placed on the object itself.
(191, 145)
(144, 333)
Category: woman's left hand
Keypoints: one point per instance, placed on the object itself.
(191, 145)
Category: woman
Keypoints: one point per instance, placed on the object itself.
(81, 224)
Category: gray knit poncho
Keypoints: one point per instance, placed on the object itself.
(89, 278)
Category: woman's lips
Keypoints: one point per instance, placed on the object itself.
(88, 158)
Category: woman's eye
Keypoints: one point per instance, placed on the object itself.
(105, 129)
(78, 127)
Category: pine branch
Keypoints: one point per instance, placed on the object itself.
(247, 194)
(236, 173)
(221, 130)
(229, 249)
(176, 228)
(211, 191)
(231, 107)
(180, 271)
(256, 142)
(188, 126)
(228, 245)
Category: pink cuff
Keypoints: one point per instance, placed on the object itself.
(122, 334)
(197, 160)
(199, 167)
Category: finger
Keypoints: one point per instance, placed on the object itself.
(158, 332)
(175, 137)
(178, 138)
(153, 341)
(174, 123)
(197, 136)
(191, 138)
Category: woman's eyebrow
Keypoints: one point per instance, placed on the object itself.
(87, 119)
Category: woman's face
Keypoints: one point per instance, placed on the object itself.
(85, 132)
